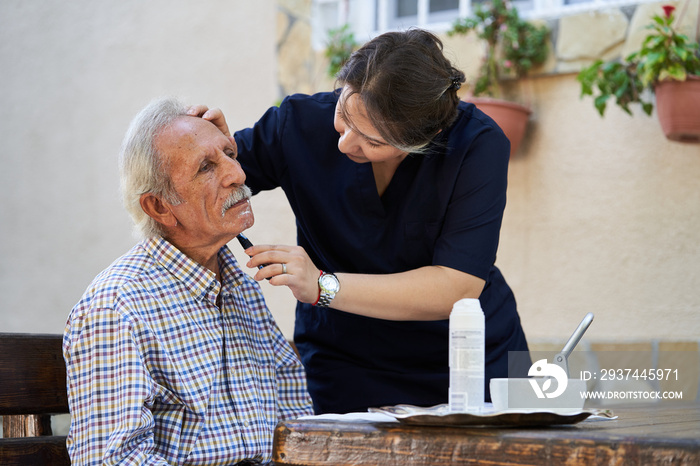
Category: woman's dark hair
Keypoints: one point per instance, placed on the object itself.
(407, 86)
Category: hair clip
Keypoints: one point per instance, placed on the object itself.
(455, 84)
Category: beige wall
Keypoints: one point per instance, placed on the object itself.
(603, 214)
(73, 75)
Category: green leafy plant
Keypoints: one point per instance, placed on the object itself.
(664, 54)
(339, 46)
(513, 45)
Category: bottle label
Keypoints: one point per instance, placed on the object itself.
(466, 369)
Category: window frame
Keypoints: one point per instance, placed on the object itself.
(368, 18)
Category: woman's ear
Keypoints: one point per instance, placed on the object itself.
(158, 209)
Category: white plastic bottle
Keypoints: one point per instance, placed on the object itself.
(467, 356)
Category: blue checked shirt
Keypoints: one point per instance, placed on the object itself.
(160, 373)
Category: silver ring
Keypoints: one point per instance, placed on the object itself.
(284, 268)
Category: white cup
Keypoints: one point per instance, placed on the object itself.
(536, 395)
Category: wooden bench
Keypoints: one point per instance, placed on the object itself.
(32, 388)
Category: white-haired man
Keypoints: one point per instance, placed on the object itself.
(172, 355)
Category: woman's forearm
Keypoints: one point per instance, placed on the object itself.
(427, 293)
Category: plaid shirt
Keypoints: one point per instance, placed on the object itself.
(160, 373)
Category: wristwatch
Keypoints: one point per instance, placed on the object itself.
(328, 285)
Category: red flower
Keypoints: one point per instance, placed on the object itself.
(668, 10)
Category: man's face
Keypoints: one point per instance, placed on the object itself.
(210, 182)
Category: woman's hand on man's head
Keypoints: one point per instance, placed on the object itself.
(215, 115)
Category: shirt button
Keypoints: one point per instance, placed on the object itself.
(246, 423)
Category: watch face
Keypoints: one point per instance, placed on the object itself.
(330, 283)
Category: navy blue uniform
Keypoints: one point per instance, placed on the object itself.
(441, 208)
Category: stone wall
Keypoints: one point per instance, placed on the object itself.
(612, 34)
(300, 68)
(577, 40)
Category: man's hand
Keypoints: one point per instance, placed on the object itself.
(215, 115)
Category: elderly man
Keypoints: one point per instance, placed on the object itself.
(172, 355)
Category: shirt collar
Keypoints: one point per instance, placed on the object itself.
(198, 279)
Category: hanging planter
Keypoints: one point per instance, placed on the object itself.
(667, 64)
(678, 109)
(510, 116)
(512, 47)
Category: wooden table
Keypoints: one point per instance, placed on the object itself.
(640, 436)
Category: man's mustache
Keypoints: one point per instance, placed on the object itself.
(240, 193)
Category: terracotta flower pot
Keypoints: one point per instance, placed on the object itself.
(678, 109)
(511, 117)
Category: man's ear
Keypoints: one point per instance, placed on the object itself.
(158, 209)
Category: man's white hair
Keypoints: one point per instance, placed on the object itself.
(142, 168)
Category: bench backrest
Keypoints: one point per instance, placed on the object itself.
(32, 387)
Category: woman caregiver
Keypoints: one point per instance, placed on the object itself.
(398, 189)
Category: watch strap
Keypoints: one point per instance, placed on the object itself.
(319, 289)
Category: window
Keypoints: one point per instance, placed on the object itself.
(371, 17)
(400, 14)
(411, 12)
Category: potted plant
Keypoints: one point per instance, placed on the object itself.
(667, 65)
(513, 47)
(340, 44)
